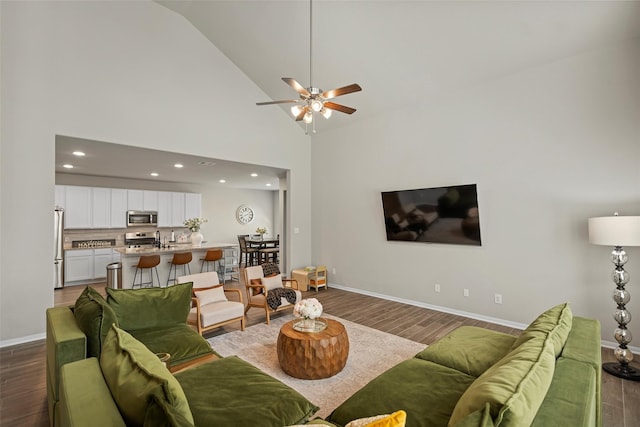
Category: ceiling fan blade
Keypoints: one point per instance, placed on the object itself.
(284, 101)
(341, 91)
(338, 107)
(296, 86)
(302, 113)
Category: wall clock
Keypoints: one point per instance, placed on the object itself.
(244, 214)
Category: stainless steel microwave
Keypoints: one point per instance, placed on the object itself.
(142, 218)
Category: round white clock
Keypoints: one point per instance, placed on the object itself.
(244, 214)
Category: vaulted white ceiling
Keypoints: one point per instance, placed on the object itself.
(402, 53)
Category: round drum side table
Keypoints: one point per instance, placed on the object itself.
(313, 355)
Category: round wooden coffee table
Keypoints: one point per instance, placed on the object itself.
(313, 355)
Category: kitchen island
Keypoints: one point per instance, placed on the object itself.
(130, 256)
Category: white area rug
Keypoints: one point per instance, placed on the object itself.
(371, 352)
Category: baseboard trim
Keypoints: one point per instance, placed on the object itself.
(515, 325)
(475, 316)
(22, 340)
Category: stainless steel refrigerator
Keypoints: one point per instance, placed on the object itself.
(58, 247)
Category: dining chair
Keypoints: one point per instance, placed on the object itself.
(247, 254)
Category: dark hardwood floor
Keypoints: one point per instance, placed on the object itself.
(22, 367)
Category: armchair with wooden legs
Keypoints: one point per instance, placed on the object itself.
(258, 287)
(210, 306)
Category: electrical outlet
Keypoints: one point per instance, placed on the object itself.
(333, 270)
(498, 298)
(437, 287)
(465, 292)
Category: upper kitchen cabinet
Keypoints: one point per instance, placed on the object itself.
(118, 208)
(78, 207)
(101, 207)
(164, 209)
(177, 209)
(150, 200)
(60, 196)
(192, 205)
(142, 200)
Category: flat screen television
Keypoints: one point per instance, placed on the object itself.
(433, 215)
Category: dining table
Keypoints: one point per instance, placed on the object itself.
(268, 248)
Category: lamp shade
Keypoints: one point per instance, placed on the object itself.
(615, 230)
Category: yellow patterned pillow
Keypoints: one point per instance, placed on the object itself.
(397, 419)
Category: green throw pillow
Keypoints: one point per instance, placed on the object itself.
(514, 387)
(138, 381)
(151, 307)
(555, 323)
(94, 317)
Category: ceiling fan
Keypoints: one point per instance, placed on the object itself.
(313, 99)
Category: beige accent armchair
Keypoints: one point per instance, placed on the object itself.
(210, 307)
(257, 291)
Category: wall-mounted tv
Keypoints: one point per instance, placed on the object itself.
(433, 215)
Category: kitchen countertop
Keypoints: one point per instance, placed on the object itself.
(176, 247)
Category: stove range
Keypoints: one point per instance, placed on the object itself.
(140, 240)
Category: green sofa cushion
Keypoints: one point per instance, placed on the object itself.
(94, 317)
(566, 403)
(240, 392)
(85, 399)
(514, 387)
(135, 376)
(479, 418)
(437, 386)
(180, 341)
(555, 322)
(469, 349)
(152, 307)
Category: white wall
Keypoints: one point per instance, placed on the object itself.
(131, 73)
(548, 148)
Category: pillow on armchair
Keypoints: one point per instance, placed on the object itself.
(210, 296)
(272, 282)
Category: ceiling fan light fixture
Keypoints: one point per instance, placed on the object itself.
(296, 110)
(308, 117)
(326, 113)
(317, 105)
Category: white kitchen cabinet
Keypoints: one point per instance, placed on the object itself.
(150, 200)
(135, 201)
(101, 258)
(60, 196)
(165, 213)
(192, 205)
(118, 208)
(78, 207)
(177, 209)
(78, 265)
(101, 207)
(115, 256)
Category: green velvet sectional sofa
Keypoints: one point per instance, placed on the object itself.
(102, 368)
(550, 375)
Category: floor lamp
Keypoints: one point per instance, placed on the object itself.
(617, 231)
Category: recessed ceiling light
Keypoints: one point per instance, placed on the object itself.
(154, 174)
(67, 166)
(206, 163)
(268, 185)
(78, 153)
(178, 165)
(222, 181)
(254, 174)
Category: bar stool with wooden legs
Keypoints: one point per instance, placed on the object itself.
(214, 256)
(147, 262)
(179, 258)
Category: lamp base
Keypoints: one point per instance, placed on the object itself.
(617, 369)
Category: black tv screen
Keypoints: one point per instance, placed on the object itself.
(433, 215)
